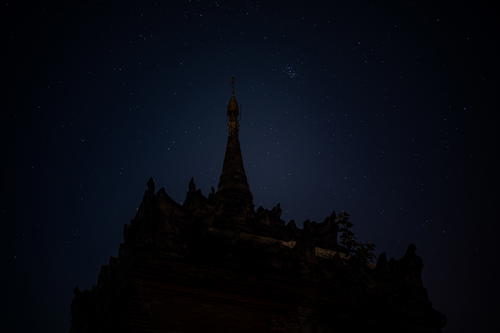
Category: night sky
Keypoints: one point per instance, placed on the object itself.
(380, 109)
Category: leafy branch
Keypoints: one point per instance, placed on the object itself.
(362, 252)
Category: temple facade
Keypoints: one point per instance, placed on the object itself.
(216, 264)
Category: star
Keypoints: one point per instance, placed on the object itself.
(290, 71)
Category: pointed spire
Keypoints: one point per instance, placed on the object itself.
(151, 185)
(233, 110)
(192, 185)
(233, 189)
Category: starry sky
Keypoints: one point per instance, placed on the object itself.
(381, 109)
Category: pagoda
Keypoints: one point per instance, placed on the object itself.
(216, 264)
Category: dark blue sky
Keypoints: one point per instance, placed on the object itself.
(373, 108)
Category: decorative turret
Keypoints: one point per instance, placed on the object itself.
(233, 191)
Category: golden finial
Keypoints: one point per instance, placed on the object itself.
(233, 84)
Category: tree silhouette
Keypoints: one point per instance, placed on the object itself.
(362, 252)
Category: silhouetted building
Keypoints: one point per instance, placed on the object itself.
(216, 264)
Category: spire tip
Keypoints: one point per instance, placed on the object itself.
(233, 85)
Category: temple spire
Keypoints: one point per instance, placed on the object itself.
(233, 190)
(233, 112)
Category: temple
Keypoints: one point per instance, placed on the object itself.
(216, 264)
